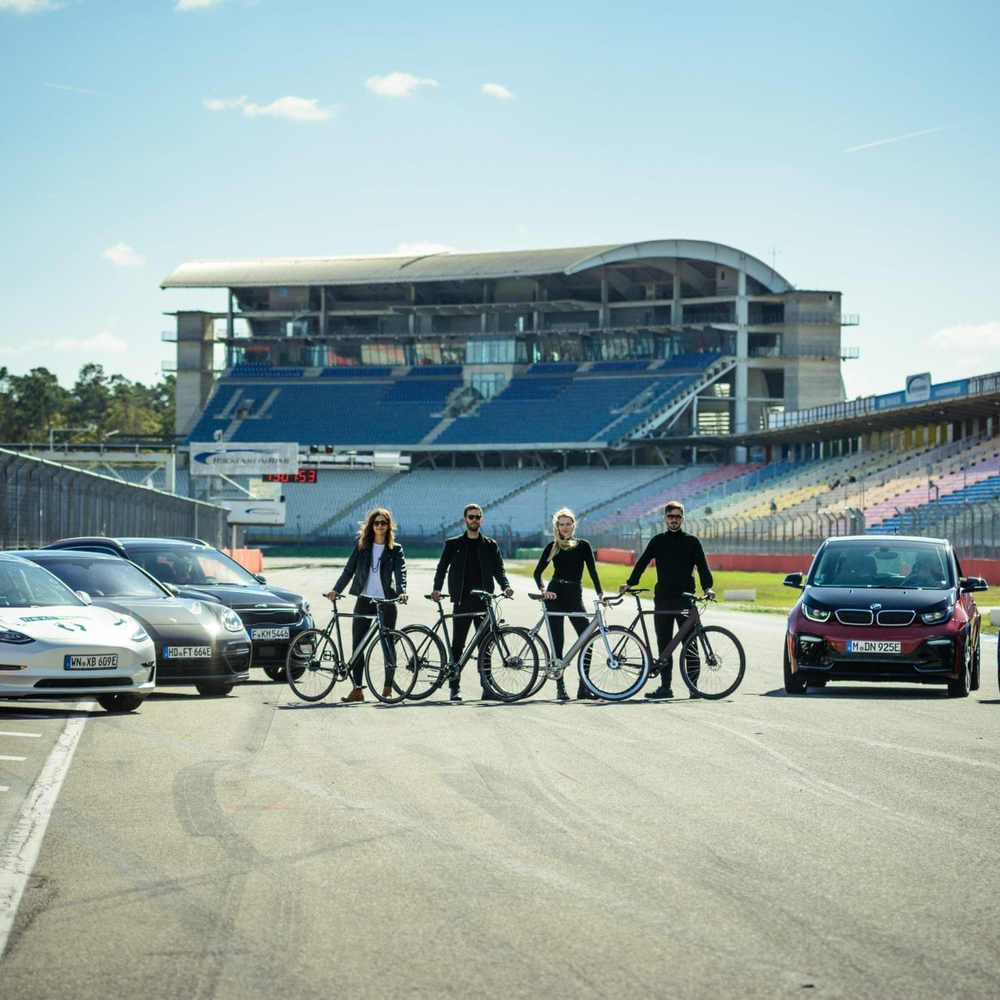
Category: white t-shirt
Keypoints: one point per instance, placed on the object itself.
(373, 588)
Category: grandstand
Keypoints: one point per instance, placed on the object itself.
(605, 378)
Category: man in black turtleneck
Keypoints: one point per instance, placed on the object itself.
(472, 561)
(677, 555)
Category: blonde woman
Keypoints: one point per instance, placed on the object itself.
(378, 567)
(568, 556)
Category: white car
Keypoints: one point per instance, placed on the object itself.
(54, 644)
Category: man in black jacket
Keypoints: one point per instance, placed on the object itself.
(677, 554)
(472, 562)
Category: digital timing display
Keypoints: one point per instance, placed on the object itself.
(302, 476)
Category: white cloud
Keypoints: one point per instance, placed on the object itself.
(75, 90)
(967, 338)
(420, 249)
(497, 90)
(397, 84)
(101, 343)
(122, 255)
(298, 109)
(18, 350)
(195, 4)
(222, 104)
(30, 6)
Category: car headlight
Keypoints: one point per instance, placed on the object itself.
(936, 617)
(231, 620)
(9, 635)
(140, 634)
(305, 607)
(815, 614)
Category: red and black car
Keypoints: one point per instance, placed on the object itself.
(884, 608)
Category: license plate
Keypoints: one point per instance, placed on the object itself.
(269, 633)
(91, 661)
(187, 652)
(871, 646)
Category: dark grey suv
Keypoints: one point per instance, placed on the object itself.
(272, 615)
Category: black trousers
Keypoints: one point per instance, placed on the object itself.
(460, 627)
(569, 597)
(664, 627)
(359, 627)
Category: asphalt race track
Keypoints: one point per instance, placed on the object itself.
(840, 844)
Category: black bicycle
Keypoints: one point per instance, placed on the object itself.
(712, 660)
(316, 659)
(507, 656)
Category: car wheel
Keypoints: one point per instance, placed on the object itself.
(276, 673)
(215, 689)
(793, 683)
(960, 687)
(120, 702)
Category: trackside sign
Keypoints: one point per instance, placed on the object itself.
(228, 458)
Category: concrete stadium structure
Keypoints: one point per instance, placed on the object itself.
(717, 340)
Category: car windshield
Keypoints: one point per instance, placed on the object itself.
(912, 566)
(196, 567)
(110, 577)
(25, 585)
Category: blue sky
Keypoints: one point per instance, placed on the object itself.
(855, 143)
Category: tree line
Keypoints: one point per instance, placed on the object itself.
(36, 409)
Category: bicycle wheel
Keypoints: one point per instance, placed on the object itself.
(391, 667)
(713, 662)
(312, 665)
(614, 664)
(508, 663)
(431, 663)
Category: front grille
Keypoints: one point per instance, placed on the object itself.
(84, 682)
(267, 616)
(856, 617)
(895, 617)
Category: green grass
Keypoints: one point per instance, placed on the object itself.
(772, 595)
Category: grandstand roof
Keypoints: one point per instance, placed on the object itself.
(297, 271)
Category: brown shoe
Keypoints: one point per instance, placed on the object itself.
(387, 691)
(358, 694)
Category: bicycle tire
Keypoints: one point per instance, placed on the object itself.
(544, 658)
(508, 662)
(713, 663)
(312, 665)
(391, 667)
(432, 661)
(615, 667)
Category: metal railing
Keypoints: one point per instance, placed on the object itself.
(43, 501)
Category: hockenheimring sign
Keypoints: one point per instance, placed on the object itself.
(229, 458)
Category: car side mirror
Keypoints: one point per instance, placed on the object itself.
(794, 580)
(973, 584)
(173, 588)
(260, 578)
(84, 596)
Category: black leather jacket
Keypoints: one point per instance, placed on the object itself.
(453, 561)
(359, 565)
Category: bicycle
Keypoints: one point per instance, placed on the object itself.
(316, 660)
(712, 661)
(623, 659)
(507, 656)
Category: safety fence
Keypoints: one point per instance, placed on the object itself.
(43, 501)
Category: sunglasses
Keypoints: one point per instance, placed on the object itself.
(380, 523)
(474, 517)
(674, 517)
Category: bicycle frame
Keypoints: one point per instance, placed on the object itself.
(554, 666)
(691, 623)
(490, 624)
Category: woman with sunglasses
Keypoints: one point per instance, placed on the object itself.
(378, 568)
(568, 556)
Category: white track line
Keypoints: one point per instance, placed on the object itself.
(19, 852)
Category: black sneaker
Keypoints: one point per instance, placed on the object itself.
(561, 693)
(455, 696)
(660, 693)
